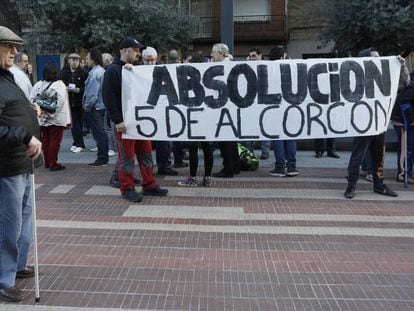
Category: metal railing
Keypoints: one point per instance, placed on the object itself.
(247, 26)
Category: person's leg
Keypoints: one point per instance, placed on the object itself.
(193, 150)
(26, 233)
(236, 158)
(162, 151)
(290, 155)
(96, 124)
(143, 150)
(56, 136)
(410, 149)
(178, 151)
(265, 146)
(330, 148)
(15, 211)
(77, 127)
(44, 137)
(318, 144)
(359, 146)
(226, 149)
(109, 133)
(126, 162)
(208, 158)
(377, 149)
(400, 162)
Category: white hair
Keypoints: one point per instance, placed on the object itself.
(220, 47)
(149, 52)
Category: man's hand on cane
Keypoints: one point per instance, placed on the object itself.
(34, 148)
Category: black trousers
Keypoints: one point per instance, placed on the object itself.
(376, 145)
(319, 145)
(231, 159)
(208, 158)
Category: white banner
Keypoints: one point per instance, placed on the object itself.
(260, 100)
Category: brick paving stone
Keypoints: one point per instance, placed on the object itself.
(247, 243)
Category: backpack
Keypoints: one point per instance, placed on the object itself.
(248, 161)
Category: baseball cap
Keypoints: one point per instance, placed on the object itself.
(130, 42)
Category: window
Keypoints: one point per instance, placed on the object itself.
(249, 10)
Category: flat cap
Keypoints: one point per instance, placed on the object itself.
(8, 36)
(74, 56)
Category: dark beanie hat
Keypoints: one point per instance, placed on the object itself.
(366, 52)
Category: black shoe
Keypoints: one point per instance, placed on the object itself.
(180, 165)
(333, 154)
(264, 155)
(114, 183)
(384, 190)
(222, 174)
(57, 167)
(349, 192)
(132, 195)
(167, 171)
(12, 294)
(25, 273)
(99, 163)
(292, 171)
(318, 154)
(157, 191)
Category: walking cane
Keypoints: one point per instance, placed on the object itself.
(403, 109)
(36, 261)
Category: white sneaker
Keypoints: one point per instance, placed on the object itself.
(72, 148)
(78, 150)
(94, 149)
(111, 153)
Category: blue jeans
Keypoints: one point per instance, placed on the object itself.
(96, 120)
(110, 132)
(15, 226)
(285, 153)
(264, 145)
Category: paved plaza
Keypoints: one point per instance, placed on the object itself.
(254, 242)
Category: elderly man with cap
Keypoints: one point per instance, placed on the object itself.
(128, 149)
(19, 153)
(74, 77)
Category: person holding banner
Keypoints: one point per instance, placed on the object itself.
(229, 151)
(162, 150)
(191, 181)
(20, 149)
(284, 150)
(376, 145)
(128, 149)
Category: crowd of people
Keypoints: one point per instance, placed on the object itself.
(92, 94)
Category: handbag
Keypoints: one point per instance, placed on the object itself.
(45, 102)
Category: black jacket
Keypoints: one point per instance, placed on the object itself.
(111, 90)
(78, 77)
(405, 96)
(18, 124)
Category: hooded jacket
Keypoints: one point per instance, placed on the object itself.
(112, 90)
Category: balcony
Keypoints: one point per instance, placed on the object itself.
(249, 27)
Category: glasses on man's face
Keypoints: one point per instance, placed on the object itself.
(9, 46)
